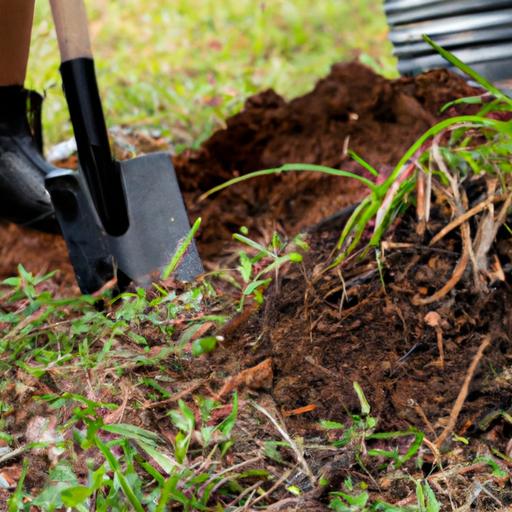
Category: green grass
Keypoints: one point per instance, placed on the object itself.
(184, 66)
(203, 462)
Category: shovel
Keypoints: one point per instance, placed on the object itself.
(119, 219)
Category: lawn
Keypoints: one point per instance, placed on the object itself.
(182, 67)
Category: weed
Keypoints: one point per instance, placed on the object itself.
(137, 469)
(258, 270)
(357, 434)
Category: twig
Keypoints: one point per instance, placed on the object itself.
(286, 503)
(435, 451)
(421, 413)
(463, 393)
(230, 469)
(298, 454)
(279, 482)
(459, 204)
(250, 490)
(455, 223)
(13, 453)
(461, 470)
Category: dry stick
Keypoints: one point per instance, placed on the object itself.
(467, 251)
(502, 216)
(439, 462)
(466, 216)
(460, 198)
(279, 482)
(231, 469)
(440, 346)
(463, 393)
(287, 503)
(14, 453)
(484, 239)
(473, 468)
(466, 237)
(250, 490)
(300, 458)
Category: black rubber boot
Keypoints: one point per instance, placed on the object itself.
(23, 197)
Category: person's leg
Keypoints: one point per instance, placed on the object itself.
(15, 28)
(23, 197)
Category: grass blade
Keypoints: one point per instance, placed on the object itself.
(290, 168)
(181, 250)
(450, 57)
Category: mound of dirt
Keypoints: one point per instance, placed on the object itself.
(352, 109)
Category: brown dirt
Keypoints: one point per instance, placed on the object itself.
(320, 342)
(352, 108)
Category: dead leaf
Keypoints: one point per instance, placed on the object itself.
(257, 377)
(9, 477)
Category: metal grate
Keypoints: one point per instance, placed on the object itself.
(479, 32)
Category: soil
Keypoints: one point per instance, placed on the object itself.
(317, 333)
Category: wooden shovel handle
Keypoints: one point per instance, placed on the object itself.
(70, 18)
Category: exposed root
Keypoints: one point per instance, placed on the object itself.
(455, 223)
(463, 393)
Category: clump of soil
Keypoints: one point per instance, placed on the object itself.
(351, 109)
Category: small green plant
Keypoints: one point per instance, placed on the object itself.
(361, 425)
(259, 269)
(427, 501)
(357, 434)
(350, 499)
(361, 430)
(138, 471)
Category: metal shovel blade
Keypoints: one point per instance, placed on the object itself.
(158, 222)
